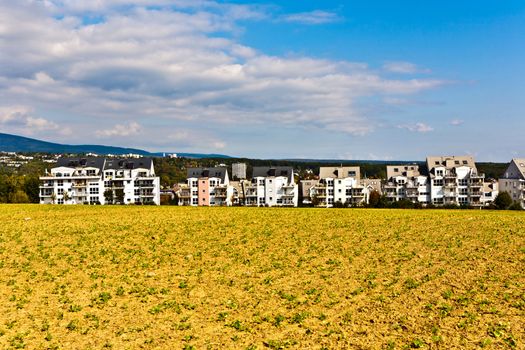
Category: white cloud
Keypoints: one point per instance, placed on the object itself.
(120, 130)
(20, 120)
(163, 64)
(404, 68)
(416, 127)
(313, 17)
(457, 122)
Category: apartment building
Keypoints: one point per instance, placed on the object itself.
(206, 187)
(513, 180)
(339, 185)
(93, 180)
(272, 186)
(405, 182)
(455, 180)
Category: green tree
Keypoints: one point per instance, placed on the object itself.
(108, 196)
(374, 199)
(31, 188)
(19, 197)
(119, 195)
(503, 201)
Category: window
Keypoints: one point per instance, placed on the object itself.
(60, 182)
(194, 183)
(439, 172)
(90, 172)
(351, 174)
(396, 170)
(270, 199)
(456, 162)
(195, 201)
(107, 183)
(93, 190)
(463, 182)
(339, 190)
(463, 200)
(93, 200)
(270, 181)
(60, 201)
(194, 193)
(465, 162)
(330, 192)
(137, 192)
(436, 162)
(463, 191)
(438, 182)
(60, 191)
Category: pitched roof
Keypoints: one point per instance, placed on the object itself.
(338, 172)
(81, 162)
(408, 170)
(219, 172)
(450, 162)
(264, 171)
(520, 164)
(128, 163)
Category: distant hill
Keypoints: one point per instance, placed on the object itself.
(15, 143)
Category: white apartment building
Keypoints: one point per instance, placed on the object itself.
(455, 180)
(405, 182)
(94, 180)
(339, 185)
(272, 186)
(207, 187)
(513, 180)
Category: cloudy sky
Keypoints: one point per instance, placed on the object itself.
(271, 79)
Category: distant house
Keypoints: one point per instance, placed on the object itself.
(456, 180)
(405, 182)
(93, 180)
(206, 187)
(513, 180)
(339, 185)
(272, 186)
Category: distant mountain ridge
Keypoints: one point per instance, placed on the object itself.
(15, 143)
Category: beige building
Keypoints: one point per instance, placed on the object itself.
(513, 180)
(405, 182)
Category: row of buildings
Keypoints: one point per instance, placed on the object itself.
(94, 180)
(445, 180)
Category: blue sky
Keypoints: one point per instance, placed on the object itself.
(283, 79)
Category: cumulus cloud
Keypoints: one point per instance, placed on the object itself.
(20, 120)
(175, 62)
(120, 130)
(404, 68)
(457, 122)
(416, 127)
(312, 17)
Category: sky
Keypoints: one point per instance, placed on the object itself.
(377, 80)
